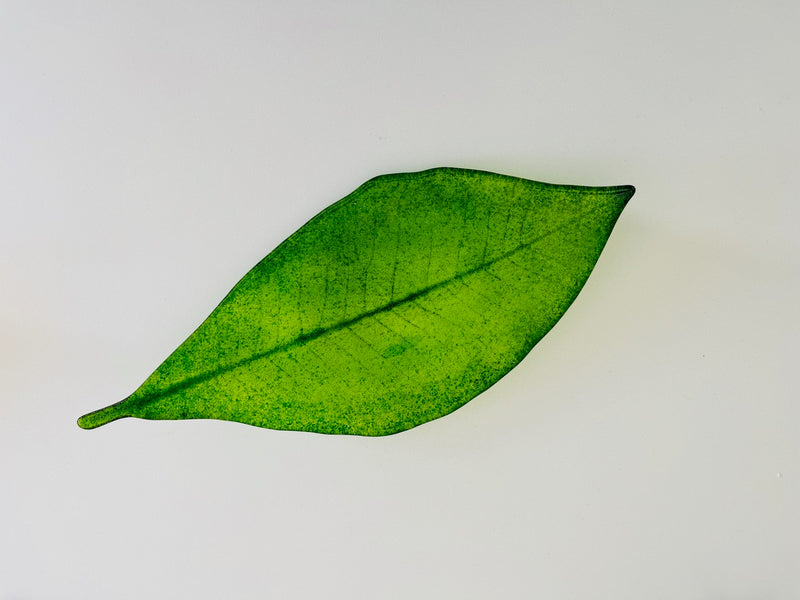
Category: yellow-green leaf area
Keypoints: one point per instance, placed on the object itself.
(394, 306)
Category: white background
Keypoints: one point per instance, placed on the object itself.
(152, 152)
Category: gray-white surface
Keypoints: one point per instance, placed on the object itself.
(152, 152)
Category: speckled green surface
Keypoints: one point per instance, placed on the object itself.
(392, 307)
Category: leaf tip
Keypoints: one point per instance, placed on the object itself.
(626, 192)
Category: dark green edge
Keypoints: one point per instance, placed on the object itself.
(118, 410)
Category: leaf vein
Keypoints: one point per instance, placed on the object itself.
(307, 337)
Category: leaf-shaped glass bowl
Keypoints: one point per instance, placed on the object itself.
(392, 307)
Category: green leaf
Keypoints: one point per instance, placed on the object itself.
(392, 307)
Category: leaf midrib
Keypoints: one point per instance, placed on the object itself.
(318, 332)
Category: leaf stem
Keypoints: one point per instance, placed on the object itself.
(104, 415)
